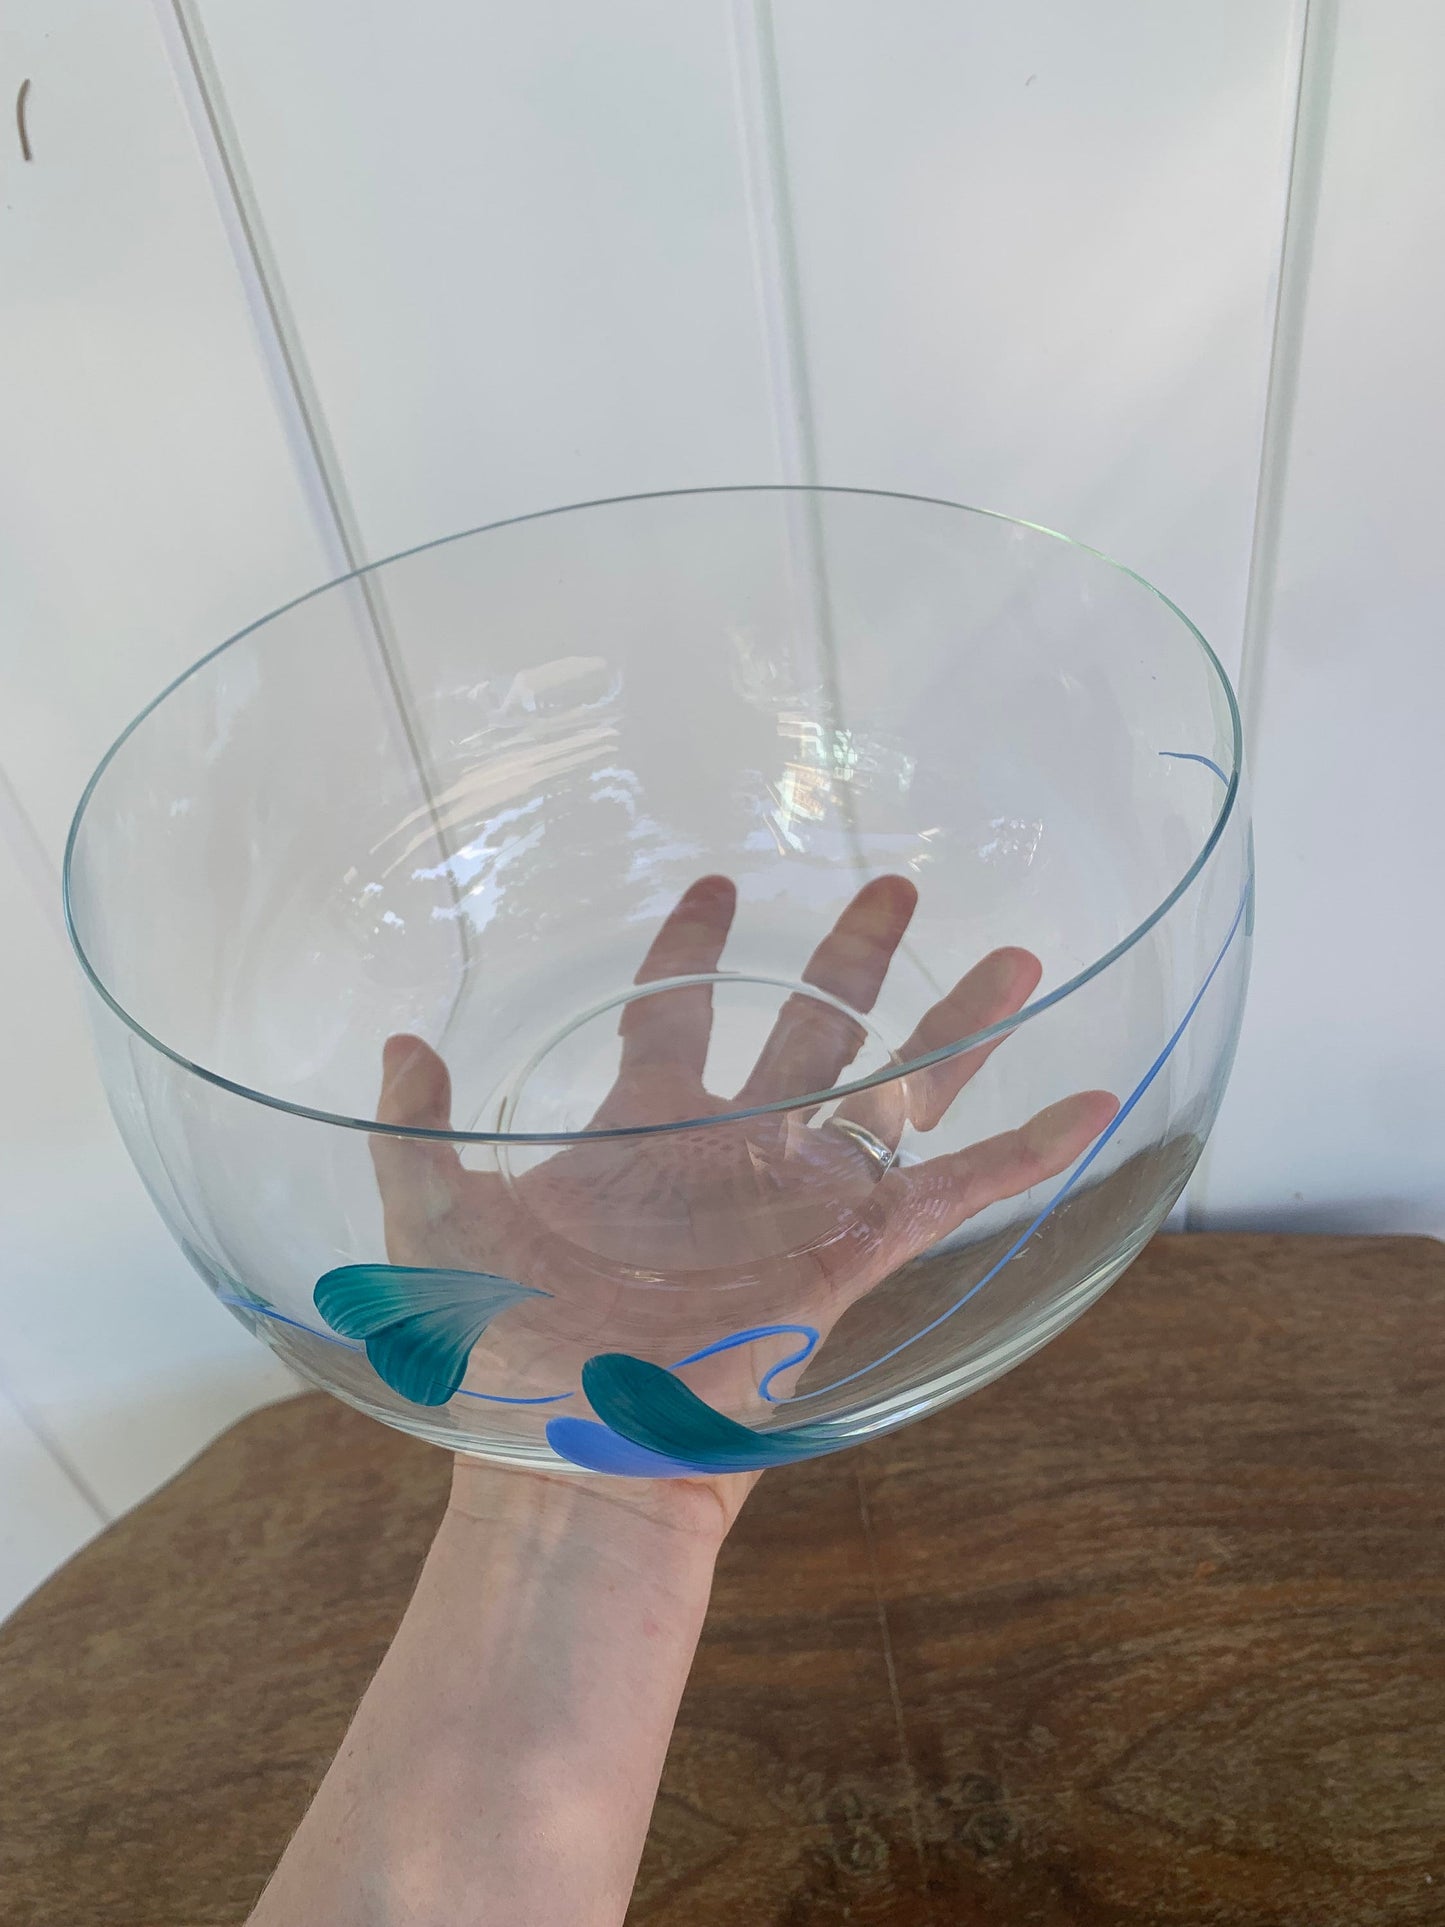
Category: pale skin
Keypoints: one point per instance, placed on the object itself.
(502, 1766)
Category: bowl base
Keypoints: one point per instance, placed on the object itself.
(636, 1052)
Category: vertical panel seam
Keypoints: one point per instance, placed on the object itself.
(771, 230)
(272, 326)
(777, 275)
(34, 861)
(1308, 119)
(1296, 254)
(56, 1453)
(293, 390)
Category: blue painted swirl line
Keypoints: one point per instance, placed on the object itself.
(808, 1333)
(280, 1318)
(500, 1398)
(1175, 756)
(1192, 756)
(1070, 1184)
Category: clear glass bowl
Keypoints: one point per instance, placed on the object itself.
(458, 945)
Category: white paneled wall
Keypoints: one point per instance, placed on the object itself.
(285, 284)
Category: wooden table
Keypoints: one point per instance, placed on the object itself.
(1151, 1631)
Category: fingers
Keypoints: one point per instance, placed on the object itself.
(690, 942)
(416, 1177)
(811, 1044)
(673, 1027)
(994, 989)
(932, 1199)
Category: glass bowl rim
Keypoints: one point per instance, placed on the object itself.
(805, 1101)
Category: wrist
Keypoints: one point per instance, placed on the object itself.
(653, 1525)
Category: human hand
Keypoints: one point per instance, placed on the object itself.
(800, 1216)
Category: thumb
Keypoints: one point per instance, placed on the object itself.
(937, 1197)
(417, 1177)
(416, 1086)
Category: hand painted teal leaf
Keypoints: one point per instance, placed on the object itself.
(357, 1300)
(652, 1408)
(419, 1323)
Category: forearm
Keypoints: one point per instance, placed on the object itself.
(503, 1764)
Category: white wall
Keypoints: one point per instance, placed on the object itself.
(286, 285)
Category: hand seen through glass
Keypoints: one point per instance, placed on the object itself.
(756, 1203)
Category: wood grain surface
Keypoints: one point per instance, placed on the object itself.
(1151, 1631)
